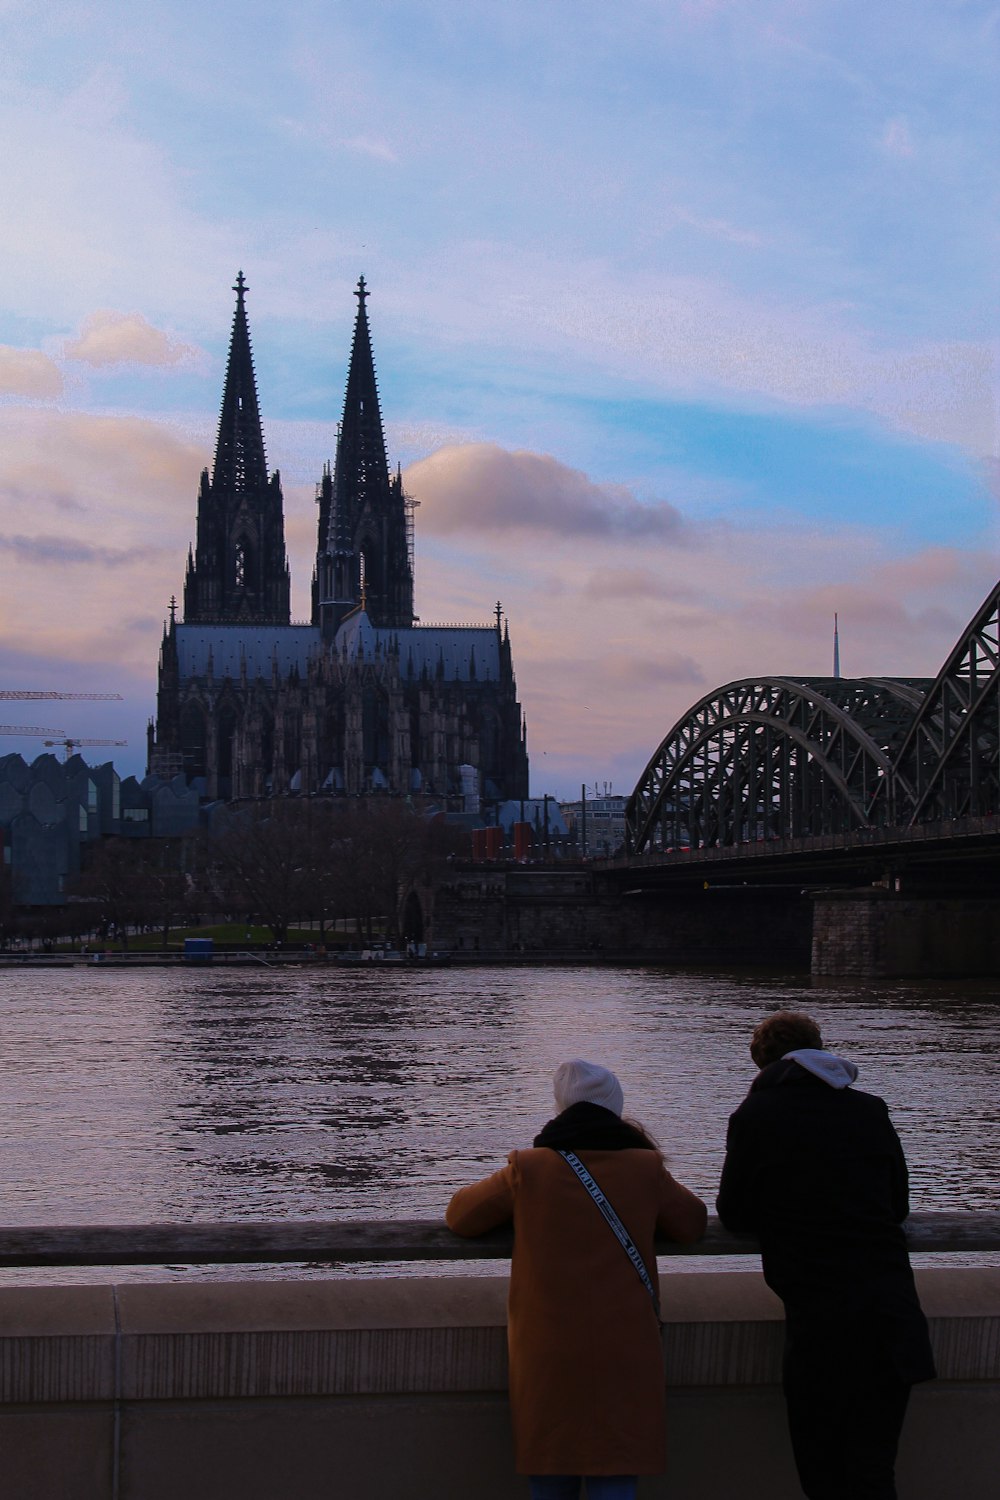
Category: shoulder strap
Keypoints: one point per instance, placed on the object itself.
(618, 1228)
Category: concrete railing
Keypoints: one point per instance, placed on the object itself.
(287, 1241)
(394, 1387)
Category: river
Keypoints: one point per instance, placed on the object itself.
(162, 1095)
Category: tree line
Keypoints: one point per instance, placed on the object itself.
(275, 864)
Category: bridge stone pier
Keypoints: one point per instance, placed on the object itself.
(872, 934)
(395, 1389)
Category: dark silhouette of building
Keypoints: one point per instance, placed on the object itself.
(52, 810)
(365, 547)
(363, 699)
(239, 572)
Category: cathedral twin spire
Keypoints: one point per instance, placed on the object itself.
(240, 460)
(362, 470)
(363, 555)
(239, 570)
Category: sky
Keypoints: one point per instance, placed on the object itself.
(684, 316)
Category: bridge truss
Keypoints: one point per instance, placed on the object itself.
(781, 757)
(950, 760)
(776, 757)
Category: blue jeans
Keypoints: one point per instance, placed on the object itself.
(599, 1486)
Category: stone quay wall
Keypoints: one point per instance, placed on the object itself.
(539, 914)
(872, 934)
(395, 1388)
(534, 913)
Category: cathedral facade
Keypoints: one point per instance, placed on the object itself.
(361, 700)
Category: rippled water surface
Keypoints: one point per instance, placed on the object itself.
(200, 1095)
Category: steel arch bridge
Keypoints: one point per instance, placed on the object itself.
(781, 757)
(950, 760)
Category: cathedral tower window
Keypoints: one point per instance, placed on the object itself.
(193, 741)
(242, 567)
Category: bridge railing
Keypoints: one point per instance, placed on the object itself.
(315, 1240)
(940, 830)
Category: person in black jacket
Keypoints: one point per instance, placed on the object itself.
(815, 1170)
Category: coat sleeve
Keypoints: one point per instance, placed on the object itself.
(483, 1205)
(680, 1215)
(736, 1202)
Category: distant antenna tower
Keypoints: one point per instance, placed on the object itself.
(836, 646)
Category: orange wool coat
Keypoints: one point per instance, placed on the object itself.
(586, 1360)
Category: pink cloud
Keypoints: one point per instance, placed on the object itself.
(483, 488)
(28, 373)
(113, 338)
(128, 466)
(624, 669)
(95, 518)
(637, 583)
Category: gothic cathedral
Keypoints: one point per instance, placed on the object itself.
(363, 699)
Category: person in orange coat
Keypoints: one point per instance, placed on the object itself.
(586, 1359)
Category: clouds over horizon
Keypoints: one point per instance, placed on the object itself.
(481, 487)
(619, 620)
(125, 471)
(60, 550)
(95, 514)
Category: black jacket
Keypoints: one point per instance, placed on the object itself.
(818, 1174)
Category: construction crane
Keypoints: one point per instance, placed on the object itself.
(30, 729)
(69, 742)
(23, 694)
(71, 745)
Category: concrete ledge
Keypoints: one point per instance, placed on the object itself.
(239, 1340)
(57, 1344)
(396, 1387)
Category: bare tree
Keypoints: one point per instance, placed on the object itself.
(129, 883)
(321, 860)
(392, 845)
(257, 863)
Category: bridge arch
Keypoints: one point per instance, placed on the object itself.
(950, 759)
(775, 757)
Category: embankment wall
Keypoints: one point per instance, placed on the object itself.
(534, 912)
(395, 1387)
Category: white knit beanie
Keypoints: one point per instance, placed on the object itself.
(577, 1082)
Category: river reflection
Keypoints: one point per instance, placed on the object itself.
(241, 1094)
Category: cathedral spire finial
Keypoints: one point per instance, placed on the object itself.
(360, 291)
(240, 460)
